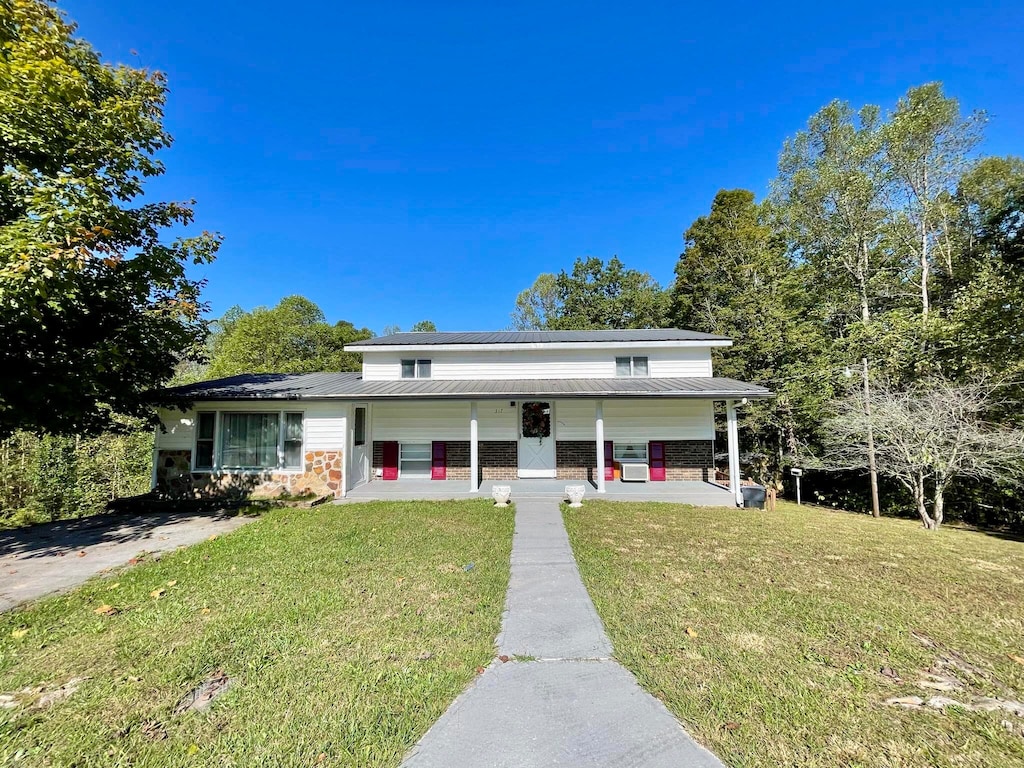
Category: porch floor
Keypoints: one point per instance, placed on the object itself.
(694, 492)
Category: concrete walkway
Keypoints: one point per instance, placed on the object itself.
(54, 557)
(571, 705)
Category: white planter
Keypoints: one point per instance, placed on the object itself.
(574, 493)
(501, 494)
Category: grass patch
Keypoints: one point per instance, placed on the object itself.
(346, 631)
(766, 633)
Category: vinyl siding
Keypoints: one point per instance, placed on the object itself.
(637, 420)
(324, 425)
(425, 421)
(540, 364)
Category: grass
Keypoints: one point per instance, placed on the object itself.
(766, 633)
(347, 630)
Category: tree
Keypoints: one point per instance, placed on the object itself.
(927, 144)
(424, 326)
(96, 307)
(596, 295)
(927, 435)
(734, 279)
(830, 194)
(292, 337)
(537, 305)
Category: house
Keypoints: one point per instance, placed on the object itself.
(598, 406)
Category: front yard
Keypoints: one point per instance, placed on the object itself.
(777, 638)
(343, 633)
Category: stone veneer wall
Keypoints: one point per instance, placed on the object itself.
(498, 459)
(684, 459)
(321, 475)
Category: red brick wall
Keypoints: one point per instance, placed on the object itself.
(684, 459)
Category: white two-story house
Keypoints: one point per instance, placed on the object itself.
(602, 407)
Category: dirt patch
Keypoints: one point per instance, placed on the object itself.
(40, 696)
(200, 698)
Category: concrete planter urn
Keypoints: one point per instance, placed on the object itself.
(574, 493)
(501, 494)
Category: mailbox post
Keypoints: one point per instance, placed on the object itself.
(797, 473)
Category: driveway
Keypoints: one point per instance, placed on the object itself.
(55, 557)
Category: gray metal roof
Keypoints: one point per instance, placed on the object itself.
(538, 337)
(352, 386)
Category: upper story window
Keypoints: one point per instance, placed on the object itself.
(631, 366)
(415, 369)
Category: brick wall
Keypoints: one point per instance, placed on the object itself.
(684, 459)
(498, 459)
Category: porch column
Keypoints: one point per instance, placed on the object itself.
(734, 453)
(599, 436)
(474, 450)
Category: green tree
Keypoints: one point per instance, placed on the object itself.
(734, 279)
(596, 295)
(96, 307)
(424, 326)
(537, 305)
(293, 337)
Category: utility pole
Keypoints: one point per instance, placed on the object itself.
(872, 467)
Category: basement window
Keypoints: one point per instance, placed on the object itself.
(414, 460)
(630, 452)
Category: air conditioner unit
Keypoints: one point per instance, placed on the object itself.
(636, 472)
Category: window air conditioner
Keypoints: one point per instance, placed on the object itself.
(635, 471)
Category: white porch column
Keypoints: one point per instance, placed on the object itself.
(599, 437)
(734, 453)
(474, 449)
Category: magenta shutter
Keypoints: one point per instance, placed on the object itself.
(609, 460)
(656, 460)
(390, 460)
(438, 460)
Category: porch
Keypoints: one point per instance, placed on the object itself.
(696, 492)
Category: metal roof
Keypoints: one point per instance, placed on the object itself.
(352, 386)
(537, 337)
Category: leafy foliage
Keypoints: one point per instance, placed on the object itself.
(292, 337)
(96, 306)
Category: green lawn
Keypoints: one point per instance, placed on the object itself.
(766, 633)
(348, 630)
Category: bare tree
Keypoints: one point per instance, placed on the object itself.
(926, 436)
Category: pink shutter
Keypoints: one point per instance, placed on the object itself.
(656, 459)
(438, 460)
(609, 460)
(390, 460)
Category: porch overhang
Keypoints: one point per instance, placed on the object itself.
(352, 386)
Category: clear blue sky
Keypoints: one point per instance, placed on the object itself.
(401, 161)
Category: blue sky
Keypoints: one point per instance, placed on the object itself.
(402, 161)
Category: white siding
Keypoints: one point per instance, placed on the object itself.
(540, 364)
(424, 421)
(637, 420)
(323, 423)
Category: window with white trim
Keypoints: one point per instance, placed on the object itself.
(414, 460)
(416, 369)
(631, 366)
(243, 440)
(630, 452)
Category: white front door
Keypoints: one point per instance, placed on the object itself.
(360, 464)
(536, 440)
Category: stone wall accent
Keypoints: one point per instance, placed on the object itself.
(499, 459)
(684, 459)
(321, 475)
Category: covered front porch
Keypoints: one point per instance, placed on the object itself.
(694, 492)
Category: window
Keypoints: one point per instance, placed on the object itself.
(631, 366)
(265, 440)
(204, 440)
(630, 452)
(415, 369)
(360, 426)
(293, 441)
(414, 460)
